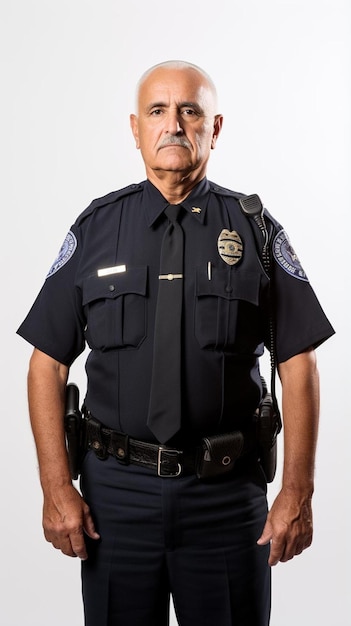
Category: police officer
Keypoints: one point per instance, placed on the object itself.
(176, 504)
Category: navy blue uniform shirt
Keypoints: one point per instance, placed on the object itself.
(102, 290)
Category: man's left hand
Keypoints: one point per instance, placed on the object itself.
(288, 527)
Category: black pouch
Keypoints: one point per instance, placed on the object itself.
(267, 428)
(218, 454)
(73, 429)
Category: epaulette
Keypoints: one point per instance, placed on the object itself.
(110, 198)
(225, 192)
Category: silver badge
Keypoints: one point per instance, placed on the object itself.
(230, 246)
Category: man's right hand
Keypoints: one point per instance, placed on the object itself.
(66, 517)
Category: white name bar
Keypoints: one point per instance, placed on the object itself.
(107, 271)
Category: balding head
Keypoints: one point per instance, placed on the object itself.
(178, 65)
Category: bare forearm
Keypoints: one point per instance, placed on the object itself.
(289, 522)
(46, 395)
(66, 517)
(300, 404)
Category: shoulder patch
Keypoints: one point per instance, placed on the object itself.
(66, 251)
(286, 256)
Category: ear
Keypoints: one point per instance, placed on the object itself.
(217, 126)
(135, 129)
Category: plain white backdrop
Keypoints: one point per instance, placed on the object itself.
(68, 71)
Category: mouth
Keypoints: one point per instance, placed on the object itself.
(173, 145)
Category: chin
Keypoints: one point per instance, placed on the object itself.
(176, 165)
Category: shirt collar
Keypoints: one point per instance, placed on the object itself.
(195, 203)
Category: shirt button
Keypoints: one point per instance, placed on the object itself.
(111, 287)
(229, 289)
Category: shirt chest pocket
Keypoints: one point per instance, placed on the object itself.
(115, 309)
(226, 308)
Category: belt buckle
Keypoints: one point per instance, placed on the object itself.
(172, 452)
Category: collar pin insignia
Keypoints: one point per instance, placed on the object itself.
(195, 209)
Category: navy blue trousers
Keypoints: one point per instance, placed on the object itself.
(192, 539)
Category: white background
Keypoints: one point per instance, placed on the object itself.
(69, 68)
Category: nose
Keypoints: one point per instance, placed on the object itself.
(173, 126)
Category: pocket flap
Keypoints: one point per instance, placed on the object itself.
(134, 280)
(231, 286)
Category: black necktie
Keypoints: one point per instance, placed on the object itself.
(165, 399)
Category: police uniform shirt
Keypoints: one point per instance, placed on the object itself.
(102, 289)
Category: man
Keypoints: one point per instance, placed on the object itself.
(155, 520)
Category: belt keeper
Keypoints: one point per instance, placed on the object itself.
(95, 439)
(120, 446)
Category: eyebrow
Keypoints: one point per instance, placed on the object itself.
(154, 105)
(181, 105)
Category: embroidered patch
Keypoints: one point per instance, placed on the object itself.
(286, 256)
(66, 251)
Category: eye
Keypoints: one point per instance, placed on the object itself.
(156, 112)
(189, 112)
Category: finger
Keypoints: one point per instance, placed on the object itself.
(276, 552)
(89, 526)
(78, 545)
(266, 536)
(66, 547)
(57, 541)
(294, 548)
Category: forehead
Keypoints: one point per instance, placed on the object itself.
(169, 86)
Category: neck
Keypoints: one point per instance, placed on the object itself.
(174, 186)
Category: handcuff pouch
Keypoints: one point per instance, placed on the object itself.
(218, 454)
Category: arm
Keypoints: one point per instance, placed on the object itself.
(289, 522)
(65, 514)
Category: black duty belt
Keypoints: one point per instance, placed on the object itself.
(214, 456)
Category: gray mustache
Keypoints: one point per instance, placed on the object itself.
(173, 140)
